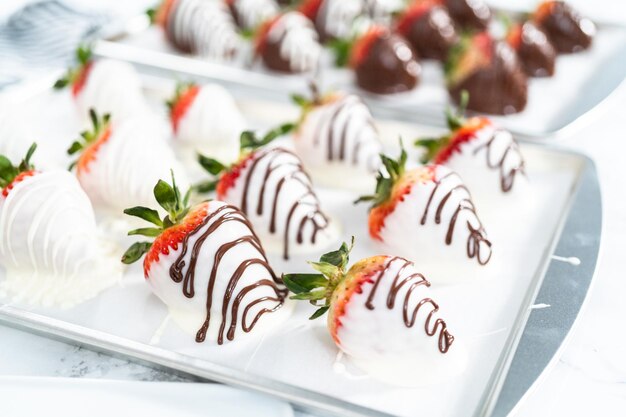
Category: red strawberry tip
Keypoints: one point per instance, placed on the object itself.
(11, 174)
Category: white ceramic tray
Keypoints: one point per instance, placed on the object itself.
(557, 106)
(512, 325)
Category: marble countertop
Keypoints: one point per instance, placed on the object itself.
(588, 379)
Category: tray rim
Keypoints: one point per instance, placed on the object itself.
(110, 47)
(303, 399)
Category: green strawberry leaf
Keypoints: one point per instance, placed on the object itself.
(212, 166)
(146, 231)
(205, 186)
(327, 269)
(319, 312)
(145, 213)
(136, 251)
(302, 283)
(165, 196)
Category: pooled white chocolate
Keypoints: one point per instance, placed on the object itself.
(49, 243)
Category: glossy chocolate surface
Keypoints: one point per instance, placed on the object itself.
(469, 14)
(433, 34)
(567, 30)
(536, 53)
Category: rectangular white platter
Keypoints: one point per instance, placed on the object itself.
(582, 86)
(508, 342)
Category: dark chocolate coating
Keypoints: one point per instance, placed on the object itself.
(272, 58)
(469, 14)
(566, 29)
(390, 66)
(536, 53)
(500, 88)
(433, 34)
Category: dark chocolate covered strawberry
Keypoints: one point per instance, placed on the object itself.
(565, 27)
(288, 43)
(469, 14)
(384, 62)
(535, 51)
(429, 28)
(490, 72)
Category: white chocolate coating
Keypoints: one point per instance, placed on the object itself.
(49, 243)
(191, 312)
(112, 87)
(393, 330)
(340, 140)
(381, 11)
(442, 234)
(212, 124)
(128, 165)
(298, 41)
(279, 199)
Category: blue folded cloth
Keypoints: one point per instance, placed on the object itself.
(44, 35)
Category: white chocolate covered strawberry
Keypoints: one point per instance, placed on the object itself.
(206, 118)
(200, 27)
(381, 314)
(106, 85)
(427, 215)
(208, 266)
(336, 137)
(49, 242)
(479, 151)
(333, 19)
(119, 161)
(270, 186)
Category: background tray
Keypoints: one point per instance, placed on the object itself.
(500, 383)
(582, 86)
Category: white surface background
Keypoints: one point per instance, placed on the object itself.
(589, 378)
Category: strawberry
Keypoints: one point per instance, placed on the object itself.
(469, 14)
(490, 72)
(11, 175)
(270, 186)
(358, 300)
(288, 43)
(106, 85)
(188, 247)
(429, 28)
(310, 8)
(49, 244)
(333, 19)
(336, 137)
(412, 211)
(535, 52)
(77, 77)
(383, 62)
(161, 14)
(116, 159)
(566, 29)
(206, 118)
(249, 14)
(476, 149)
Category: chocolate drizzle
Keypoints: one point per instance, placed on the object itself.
(507, 176)
(181, 272)
(309, 215)
(477, 236)
(414, 281)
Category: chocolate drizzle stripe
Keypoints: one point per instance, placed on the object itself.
(477, 235)
(313, 216)
(507, 178)
(215, 220)
(410, 316)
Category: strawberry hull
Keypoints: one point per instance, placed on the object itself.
(216, 281)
